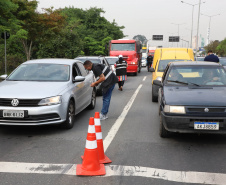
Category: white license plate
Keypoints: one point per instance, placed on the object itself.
(206, 125)
(13, 113)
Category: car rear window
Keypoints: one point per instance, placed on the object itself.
(164, 63)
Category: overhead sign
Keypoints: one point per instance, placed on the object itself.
(174, 39)
(157, 37)
(5, 34)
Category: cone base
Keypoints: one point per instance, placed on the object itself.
(105, 160)
(81, 171)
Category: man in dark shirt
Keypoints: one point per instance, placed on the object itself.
(211, 57)
(107, 79)
(149, 61)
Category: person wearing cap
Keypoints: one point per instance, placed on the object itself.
(211, 57)
(107, 79)
(120, 68)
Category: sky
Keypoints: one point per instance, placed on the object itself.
(157, 17)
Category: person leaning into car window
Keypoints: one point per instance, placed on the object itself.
(107, 79)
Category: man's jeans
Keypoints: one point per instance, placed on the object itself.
(107, 99)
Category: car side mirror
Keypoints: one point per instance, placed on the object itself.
(157, 82)
(3, 77)
(79, 79)
(152, 69)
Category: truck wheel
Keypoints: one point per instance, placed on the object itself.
(162, 131)
(139, 68)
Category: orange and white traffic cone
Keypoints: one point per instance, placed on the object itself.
(102, 157)
(91, 165)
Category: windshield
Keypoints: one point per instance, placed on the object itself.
(41, 72)
(223, 61)
(123, 47)
(197, 75)
(112, 61)
(164, 63)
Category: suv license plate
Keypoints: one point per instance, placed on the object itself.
(206, 125)
(13, 113)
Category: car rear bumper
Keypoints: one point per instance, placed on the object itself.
(40, 115)
(185, 124)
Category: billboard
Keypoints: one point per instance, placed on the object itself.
(174, 39)
(157, 37)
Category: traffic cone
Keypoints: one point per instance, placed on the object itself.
(91, 165)
(102, 157)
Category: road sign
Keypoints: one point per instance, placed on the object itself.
(157, 37)
(5, 33)
(174, 39)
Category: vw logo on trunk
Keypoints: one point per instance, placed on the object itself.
(15, 102)
(206, 110)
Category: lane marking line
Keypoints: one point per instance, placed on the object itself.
(114, 129)
(144, 78)
(117, 170)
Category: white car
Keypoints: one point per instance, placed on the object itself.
(111, 60)
(144, 62)
(46, 91)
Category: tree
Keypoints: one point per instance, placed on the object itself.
(221, 48)
(8, 20)
(212, 46)
(141, 38)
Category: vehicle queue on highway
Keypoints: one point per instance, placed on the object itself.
(190, 93)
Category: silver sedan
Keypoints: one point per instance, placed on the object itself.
(46, 91)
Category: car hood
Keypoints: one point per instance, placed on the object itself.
(27, 90)
(214, 96)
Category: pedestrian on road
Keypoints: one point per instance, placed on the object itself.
(211, 57)
(120, 68)
(107, 79)
(149, 61)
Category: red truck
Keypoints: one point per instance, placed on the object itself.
(131, 51)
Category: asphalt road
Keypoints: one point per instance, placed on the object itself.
(138, 154)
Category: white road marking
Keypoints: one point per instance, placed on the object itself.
(117, 170)
(114, 129)
(144, 78)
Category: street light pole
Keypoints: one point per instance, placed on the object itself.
(208, 36)
(197, 37)
(193, 5)
(178, 29)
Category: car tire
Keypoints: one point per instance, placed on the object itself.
(93, 100)
(70, 118)
(154, 98)
(162, 131)
(135, 74)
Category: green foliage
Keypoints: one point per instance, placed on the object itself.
(212, 46)
(61, 33)
(221, 48)
(8, 20)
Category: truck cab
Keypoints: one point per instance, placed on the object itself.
(131, 51)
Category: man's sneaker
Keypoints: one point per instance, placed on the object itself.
(103, 117)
